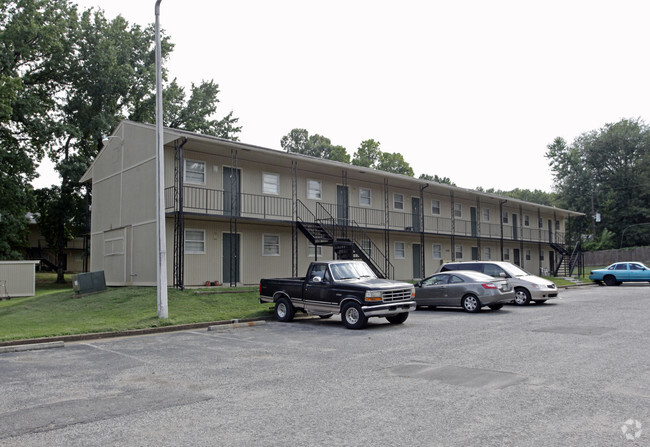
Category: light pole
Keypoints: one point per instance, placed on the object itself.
(161, 243)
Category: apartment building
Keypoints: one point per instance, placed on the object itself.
(236, 213)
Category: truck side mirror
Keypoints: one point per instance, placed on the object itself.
(316, 279)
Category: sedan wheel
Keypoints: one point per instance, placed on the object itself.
(471, 303)
(610, 280)
(522, 296)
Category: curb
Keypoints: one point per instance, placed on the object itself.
(31, 347)
(152, 330)
(236, 324)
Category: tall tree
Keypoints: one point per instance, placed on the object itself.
(105, 74)
(36, 44)
(370, 155)
(608, 168)
(435, 178)
(299, 141)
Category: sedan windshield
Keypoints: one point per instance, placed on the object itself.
(351, 270)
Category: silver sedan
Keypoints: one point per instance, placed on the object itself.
(463, 288)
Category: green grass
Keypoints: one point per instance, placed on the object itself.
(56, 310)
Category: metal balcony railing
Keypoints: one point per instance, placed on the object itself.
(201, 200)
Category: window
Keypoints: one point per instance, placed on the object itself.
(435, 207)
(195, 171)
(314, 250)
(527, 255)
(271, 245)
(487, 253)
(437, 251)
(486, 214)
(270, 183)
(364, 197)
(398, 201)
(314, 190)
(458, 209)
(506, 254)
(400, 252)
(541, 256)
(194, 242)
(505, 217)
(459, 252)
(540, 223)
(526, 220)
(557, 225)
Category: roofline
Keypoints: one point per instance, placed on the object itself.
(178, 133)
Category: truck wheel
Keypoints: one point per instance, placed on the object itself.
(353, 317)
(284, 310)
(398, 319)
(522, 296)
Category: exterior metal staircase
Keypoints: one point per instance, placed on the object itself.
(568, 261)
(345, 236)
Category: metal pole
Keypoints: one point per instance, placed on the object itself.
(161, 243)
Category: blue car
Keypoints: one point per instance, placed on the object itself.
(620, 272)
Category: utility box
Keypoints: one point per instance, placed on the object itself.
(89, 282)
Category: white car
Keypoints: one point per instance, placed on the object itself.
(527, 287)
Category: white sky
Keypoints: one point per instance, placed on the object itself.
(471, 90)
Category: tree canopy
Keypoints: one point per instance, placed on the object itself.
(609, 167)
(68, 79)
(299, 141)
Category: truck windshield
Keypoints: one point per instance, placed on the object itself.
(351, 270)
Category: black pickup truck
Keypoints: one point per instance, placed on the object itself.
(346, 287)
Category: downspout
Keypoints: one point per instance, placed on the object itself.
(501, 224)
(422, 257)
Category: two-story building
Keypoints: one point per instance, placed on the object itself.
(236, 213)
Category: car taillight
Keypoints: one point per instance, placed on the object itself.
(489, 285)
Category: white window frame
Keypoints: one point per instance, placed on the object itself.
(314, 193)
(396, 202)
(362, 197)
(401, 252)
(271, 187)
(458, 251)
(366, 246)
(487, 253)
(186, 170)
(506, 254)
(435, 207)
(189, 251)
(505, 217)
(314, 250)
(526, 220)
(266, 243)
(528, 255)
(438, 251)
(458, 210)
(486, 214)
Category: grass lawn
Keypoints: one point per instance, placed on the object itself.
(56, 310)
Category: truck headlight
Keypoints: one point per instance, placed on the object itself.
(373, 295)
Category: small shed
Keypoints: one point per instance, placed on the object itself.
(20, 277)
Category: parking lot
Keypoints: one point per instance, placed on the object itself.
(574, 371)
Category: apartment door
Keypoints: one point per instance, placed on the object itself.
(516, 255)
(415, 213)
(417, 261)
(342, 204)
(550, 232)
(231, 258)
(231, 191)
(475, 254)
(515, 227)
(474, 221)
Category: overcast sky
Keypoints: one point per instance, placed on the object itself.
(471, 90)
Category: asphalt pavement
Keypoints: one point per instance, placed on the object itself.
(574, 371)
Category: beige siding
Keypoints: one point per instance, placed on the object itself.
(19, 277)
